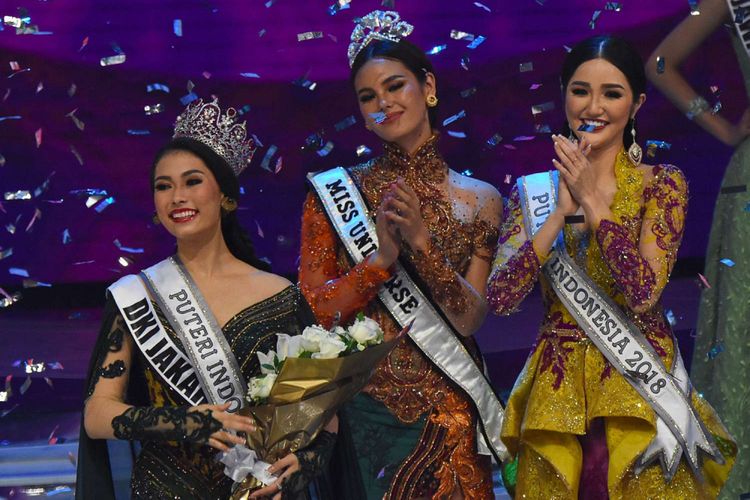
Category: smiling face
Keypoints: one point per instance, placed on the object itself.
(186, 196)
(393, 101)
(599, 97)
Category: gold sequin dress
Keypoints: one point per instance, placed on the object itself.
(567, 389)
(414, 433)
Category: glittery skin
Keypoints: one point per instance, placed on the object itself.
(406, 382)
(566, 382)
(724, 314)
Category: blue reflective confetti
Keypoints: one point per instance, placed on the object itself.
(325, 149)
(363, 150)
(476, 42)
(670, 317)
(660, 64)
(727, 262)
(494, 140)
(177, 27)
(468, 92)
(613, 6)
(104, 204)
(467, 173)
(458, 135)
(659, 144)
(436, 49)
(715, 351)
(451, 119)
(17, 271)
(586, 128)
(345, 123)
(153, 87)
(188, 98)
(378, 117)
(132, 131)
(66, 237)
(592, 23)
(127, 249)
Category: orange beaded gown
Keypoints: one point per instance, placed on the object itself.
(413, 432)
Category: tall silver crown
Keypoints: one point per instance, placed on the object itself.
(227, 138)
(377, 25)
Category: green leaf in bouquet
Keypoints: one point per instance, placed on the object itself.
(305, 355)
(269, 367)
(360, 316)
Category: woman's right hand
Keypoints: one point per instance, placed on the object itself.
(389, 239)
(566, 204)
(221, 439)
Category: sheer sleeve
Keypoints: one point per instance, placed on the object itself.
(641, 268)
(444, 281)
(325, 287)
(516, 267)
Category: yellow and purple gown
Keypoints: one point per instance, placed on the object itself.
(571, 415)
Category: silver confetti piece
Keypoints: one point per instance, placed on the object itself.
(309, 35)
(112, 60)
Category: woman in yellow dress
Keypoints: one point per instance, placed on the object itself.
(578, 426)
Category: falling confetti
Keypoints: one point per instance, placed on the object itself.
(436, 49)
(38, 137)
(727, 262)
(345, 123)
(526, 67)
(177, 27)
(482, 6)
(112, 60)
(594, 17)
(451, 119)
(494, 140)
(309, 35)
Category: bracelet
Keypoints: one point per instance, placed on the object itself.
(696, 107)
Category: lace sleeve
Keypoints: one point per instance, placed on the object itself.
(167, 423)
(327, 290)
(516, 267)
(641, 268)
(313, 460)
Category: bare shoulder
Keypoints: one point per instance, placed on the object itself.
(269, 282)
(484, 191)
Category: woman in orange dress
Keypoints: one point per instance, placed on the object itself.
(413, 432)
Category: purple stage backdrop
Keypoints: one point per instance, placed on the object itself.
(69, 124)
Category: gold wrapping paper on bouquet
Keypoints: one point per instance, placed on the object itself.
(306, 394)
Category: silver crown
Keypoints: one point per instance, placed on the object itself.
(226, 137)
(377, 25)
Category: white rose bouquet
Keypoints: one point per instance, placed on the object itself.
(302, 385)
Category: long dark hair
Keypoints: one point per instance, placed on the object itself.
(234, 235)
(620, 54)
(407, 54)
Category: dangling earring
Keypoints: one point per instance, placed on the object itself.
(228, 204)
(635, 153)
(155, 219)
(432, 101)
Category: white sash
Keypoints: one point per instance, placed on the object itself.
(209, 372)
(405, 301)
(739, 10)
(679, 429)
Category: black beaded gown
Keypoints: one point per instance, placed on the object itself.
(167, 469)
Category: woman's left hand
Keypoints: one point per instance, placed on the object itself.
(405, 211)
(283, 468)
(574, 166)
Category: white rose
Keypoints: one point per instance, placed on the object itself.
(268, 360)
(311, 337)
(366, 331)
(288, 346)
(330, 347)
(260, 387)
